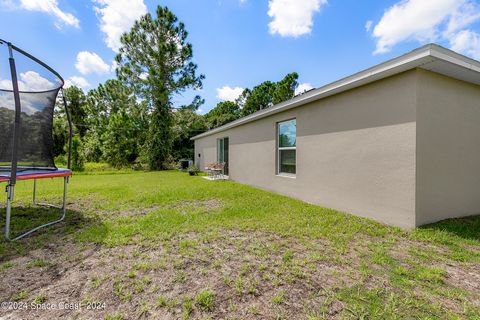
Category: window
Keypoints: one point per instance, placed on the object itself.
(287, 147)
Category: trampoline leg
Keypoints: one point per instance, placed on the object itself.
(10, 190)
(64, 205)
(34, 191)
(64, 198)
(63, 208)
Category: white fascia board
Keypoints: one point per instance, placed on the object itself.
(455, 58)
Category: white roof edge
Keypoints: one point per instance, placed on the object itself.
(442, 53)
(408, 61)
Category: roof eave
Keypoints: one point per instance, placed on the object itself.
(411, 60)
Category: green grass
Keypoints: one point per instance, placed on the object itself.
(205, 300)
(279, 298)
(268, 244)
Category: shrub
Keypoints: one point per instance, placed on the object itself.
(193, 170)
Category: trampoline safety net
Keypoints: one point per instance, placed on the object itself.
(38, 90)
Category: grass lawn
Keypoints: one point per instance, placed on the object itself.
(164, 245)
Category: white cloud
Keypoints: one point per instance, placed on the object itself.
(114, 66)
(227, 93)
(303, 87)
(30, 81)
(90, 62)
(30, 103)
(5, 84)
(77, 81)
(466, 14)
(51, 7)
(423, 21)
(7, 4)
(292, 18)
(368, 25)
(117, 17)
(466, 41)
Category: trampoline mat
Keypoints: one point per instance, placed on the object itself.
(36, 174)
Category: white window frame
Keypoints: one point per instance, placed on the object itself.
(278, 172)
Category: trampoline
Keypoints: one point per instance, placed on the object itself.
(29, 91)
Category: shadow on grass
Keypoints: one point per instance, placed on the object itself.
(466, 228)
(28, 217)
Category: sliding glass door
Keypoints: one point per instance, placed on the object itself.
(222, 152)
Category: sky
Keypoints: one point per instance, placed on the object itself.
(238, 44)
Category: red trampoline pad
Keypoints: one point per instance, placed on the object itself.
(38, 174)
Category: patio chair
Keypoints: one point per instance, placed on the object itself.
(219, 170)
(210, 169)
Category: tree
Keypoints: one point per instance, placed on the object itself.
(117, 123)
(267, 94)
(260, 97)
(60, 131)
(120, 140)
(187, 124)
(77, 105)
(223, 113)
(78, 161)
(156, 62)
(285, 88)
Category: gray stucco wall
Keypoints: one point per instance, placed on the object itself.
(355, 151)
(448, 148)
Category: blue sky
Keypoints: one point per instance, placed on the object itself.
(240, 43)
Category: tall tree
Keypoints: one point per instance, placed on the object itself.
(155, 60)
(223, 113)
(260, 97)
(285, 88)
(267, 94)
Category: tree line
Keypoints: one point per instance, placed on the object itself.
(131, 120)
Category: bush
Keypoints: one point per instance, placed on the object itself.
(91, 148)
(61, 160)
(97, 167)
(170, 163)
(193, 170)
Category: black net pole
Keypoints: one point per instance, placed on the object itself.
(18, 111)
(70, 128)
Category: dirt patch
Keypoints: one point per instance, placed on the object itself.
(467, 278)
(204, 205)
(211, 204)
(252, 275)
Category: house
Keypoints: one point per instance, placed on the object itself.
(398, 143)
